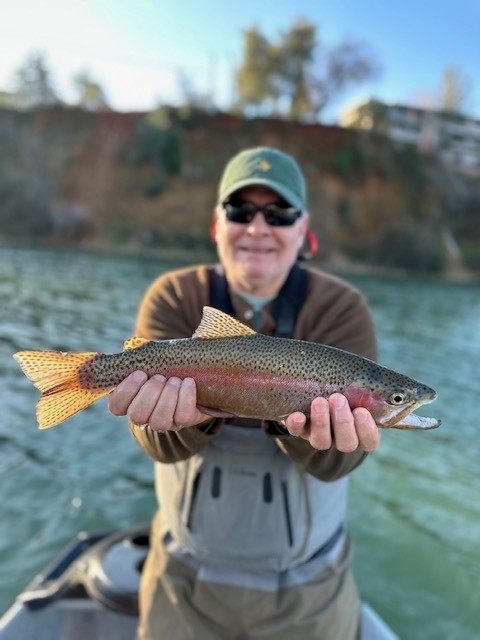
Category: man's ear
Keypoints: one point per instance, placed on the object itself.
(213, 228)
(311, 240)
(213, 233)
(312, 243)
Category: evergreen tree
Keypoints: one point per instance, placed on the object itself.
(254, 78)
(298, 75)
(91, 95)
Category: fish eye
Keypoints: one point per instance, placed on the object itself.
(397, 397)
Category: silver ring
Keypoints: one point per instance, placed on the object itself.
(140, 426)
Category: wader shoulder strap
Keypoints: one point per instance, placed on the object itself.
(289, 301)
(219, 293)
(286, 306)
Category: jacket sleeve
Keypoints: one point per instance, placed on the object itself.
(173, 446)
(325, 465)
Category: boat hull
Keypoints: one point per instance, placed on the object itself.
(91, 591)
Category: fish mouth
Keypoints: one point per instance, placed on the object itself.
(413, 422)
(405, 419)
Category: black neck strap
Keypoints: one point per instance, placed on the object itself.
(286, 305)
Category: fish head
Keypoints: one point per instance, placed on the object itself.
(391, 399)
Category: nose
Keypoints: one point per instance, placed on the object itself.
(258, 225)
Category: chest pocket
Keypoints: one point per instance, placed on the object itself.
(238, 508)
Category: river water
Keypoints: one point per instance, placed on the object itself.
(414, 505)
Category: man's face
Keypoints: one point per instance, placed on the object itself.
(257, 257)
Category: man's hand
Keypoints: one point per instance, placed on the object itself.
(163, 405)
(333, 423)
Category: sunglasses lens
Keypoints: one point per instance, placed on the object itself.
(240, 213)
(275, 216)
(281, 217)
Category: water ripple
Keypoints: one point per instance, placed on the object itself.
(414, 504)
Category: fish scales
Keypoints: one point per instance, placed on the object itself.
(255, 374)
(263, 354)
(237, 371)
(249, 374)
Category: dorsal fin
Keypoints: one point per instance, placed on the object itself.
(216, 324)
(134, 343)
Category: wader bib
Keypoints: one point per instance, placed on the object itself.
(241, 503)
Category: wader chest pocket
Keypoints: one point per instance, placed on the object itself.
(242, 503)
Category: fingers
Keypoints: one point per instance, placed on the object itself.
(343, 424)
(165, 405)
(296, 423)
(175, 407)
(144, 403)
(352, 430)
(186, 408)
(317, 429)
(120, 399)
(367, 431)
(320, 430)
(333, 423)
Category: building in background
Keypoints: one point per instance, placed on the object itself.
(453, 136)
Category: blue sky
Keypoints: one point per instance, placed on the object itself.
(135, 48)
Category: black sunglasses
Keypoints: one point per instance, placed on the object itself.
(276, 215)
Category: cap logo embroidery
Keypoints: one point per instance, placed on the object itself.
(263, 165)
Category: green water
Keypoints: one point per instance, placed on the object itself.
(414, 505)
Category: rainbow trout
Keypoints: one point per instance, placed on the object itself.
(238, 372)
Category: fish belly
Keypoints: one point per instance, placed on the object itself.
(250, 394)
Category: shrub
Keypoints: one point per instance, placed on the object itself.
(410, 247)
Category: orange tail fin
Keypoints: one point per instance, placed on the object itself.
(56, 375)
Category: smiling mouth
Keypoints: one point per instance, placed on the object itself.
(256, 250)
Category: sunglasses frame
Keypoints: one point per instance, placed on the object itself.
(275, 216)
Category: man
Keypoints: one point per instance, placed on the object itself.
(250, 538)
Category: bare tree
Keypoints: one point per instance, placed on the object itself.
(454, 90)
(33, 83)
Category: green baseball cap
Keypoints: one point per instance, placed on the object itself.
(266, 167)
